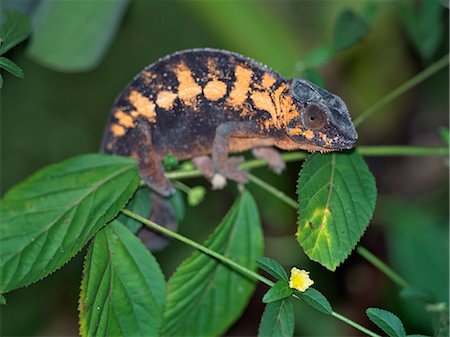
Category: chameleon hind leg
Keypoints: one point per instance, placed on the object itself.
(150, 165)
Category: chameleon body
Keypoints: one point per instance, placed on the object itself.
(204, 101)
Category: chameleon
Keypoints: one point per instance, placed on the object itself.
(203, 104)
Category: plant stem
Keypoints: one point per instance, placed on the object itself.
(382, 267)
(375, 261)
(280, 195)
(198, 246)
(182, 187)
(231, 263)
(354, 324)
(420, 77)
(394, 150)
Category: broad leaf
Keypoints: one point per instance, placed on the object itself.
(424, 25)
(48, 218)
(277, 319)
(336, 201)
(74, 35)
(387, 322)
(279, 291)
(123, 289)
(315, 299)
(205, 296)
(140, 204)
(2, 300)
(11, 67)
(350, 29)
(273, 268)
(14, 30)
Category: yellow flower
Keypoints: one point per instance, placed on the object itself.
(300, 279)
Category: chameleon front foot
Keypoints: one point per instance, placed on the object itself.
(219, 173)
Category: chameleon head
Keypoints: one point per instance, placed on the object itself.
(323, 122)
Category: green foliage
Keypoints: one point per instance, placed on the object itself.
(279, 291)
(48, 218)
(14, 30)
(350, 29)
(337, 196)
(315, 299)
(205, 296)
(444, 134)
(273, 268)
(2, 300)
(424, 25)
(277, 319)
(387, 322)
(140, 204)
(177, 202)
(123, 289)
(11, 67)
(61, 41)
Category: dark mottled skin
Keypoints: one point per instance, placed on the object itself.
(211, 109)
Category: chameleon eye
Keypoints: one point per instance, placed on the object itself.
(314, 117)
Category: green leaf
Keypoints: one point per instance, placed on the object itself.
(337, 196)
(1, 81)
(350, 29)
(318, 56)
(424, 26)
(13, 31)
(140, 204)
(314, 77)
(74, 35)
(315, 299)
(444, 134)
(123, 289)
(2, 300)
(273, 268)
(177, 202)
(205, 296)
(416, 294)
(277, 319)
(10, 66)
(48, 218)
(279, 291)
(196, 195)
(170, 162)
(387, 322)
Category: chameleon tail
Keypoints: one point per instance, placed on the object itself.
(164, 215)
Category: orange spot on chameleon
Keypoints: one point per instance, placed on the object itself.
(143, 105)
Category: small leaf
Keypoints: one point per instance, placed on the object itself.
(318, 56)
(123, 289)
(350, 29)
(424, 26)
(416, 294)
(277, 319)
(48, 218)
(279, 291)
(11, 67)
(2, 300)
(177, 203)
(444, 134)
(14, 30)
(140, 204)
(314, 77)
(205, 296)
(337, 196)
(315, 299)
(74, 35)
(196, 195)
(273, 268)
(387, 322)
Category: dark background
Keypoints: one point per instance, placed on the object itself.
(51, 115)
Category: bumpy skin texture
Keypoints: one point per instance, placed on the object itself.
(203, 101)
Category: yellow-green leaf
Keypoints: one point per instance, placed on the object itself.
(337, 196)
